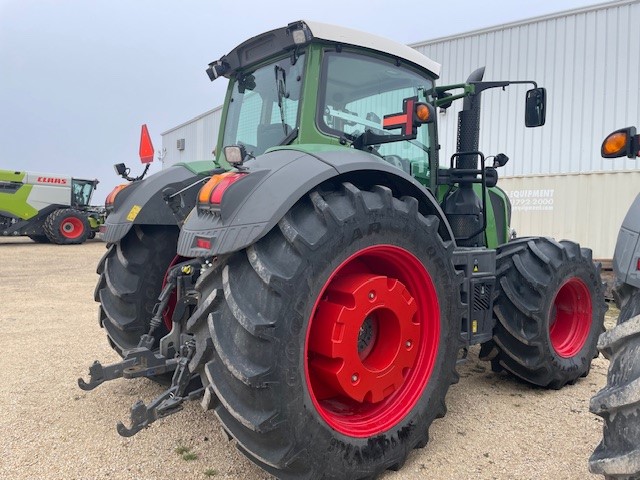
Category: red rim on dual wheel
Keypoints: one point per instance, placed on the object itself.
(571, 318)
(71, 227)
(167, 314)
(372, 341)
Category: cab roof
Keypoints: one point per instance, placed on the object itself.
(302, 32)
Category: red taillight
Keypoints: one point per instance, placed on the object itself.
(638, 264)
(211, 193)
(203, 243)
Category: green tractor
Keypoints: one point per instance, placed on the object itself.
(48, 207)
(324, 285)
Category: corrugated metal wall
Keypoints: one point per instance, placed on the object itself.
(589, 62)
(199, 134)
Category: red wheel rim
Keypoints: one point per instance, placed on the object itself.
(570, 318)
(372, 341)
(167, 313)
(71, 227)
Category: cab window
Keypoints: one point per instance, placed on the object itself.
(358, 91)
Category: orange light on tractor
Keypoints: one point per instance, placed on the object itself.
(423, 112)
(112, 195)
(621, 143)
(211, 192)
(615, 143)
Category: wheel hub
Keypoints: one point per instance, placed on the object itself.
(71, 227)
(350, 358)
(372, 340)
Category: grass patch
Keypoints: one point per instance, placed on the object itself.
(181, 450)
(210, 472)
(188, 456)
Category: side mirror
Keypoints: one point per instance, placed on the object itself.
(500, 160)
(535, 107)
(623, 142)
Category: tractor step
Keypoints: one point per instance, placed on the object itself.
(168, 402)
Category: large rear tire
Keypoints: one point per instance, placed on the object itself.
(618, 403)
(331, 342)
(131, 278)
(67, 226)
(549, 309)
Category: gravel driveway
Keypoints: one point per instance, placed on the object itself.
(496, 427)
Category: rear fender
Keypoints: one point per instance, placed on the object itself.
(252, 206)
(143, 202)
(626, 258)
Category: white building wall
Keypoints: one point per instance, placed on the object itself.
(200, 136)
(589, 62)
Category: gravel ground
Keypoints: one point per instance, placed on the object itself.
(496, 427)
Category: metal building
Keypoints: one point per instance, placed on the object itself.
(559, 185)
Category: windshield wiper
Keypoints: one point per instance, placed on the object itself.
(281, 88)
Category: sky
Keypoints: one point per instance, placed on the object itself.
(78, 78)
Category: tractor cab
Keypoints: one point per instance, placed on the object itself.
(304, 86)
(311, 86)
(81, 191)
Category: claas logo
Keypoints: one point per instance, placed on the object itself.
(58, 181)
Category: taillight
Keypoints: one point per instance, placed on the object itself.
(211, 193)
(112, 196)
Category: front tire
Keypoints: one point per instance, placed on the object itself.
(67, 227)
(618, 403)
(549, 309)
(333, 339)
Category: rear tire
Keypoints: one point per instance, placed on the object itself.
(40, 238)
(67, 226)
(131, 277)
(618, 403)
(549, 309)
(347, 277)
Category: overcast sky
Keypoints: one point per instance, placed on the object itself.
(79, 77)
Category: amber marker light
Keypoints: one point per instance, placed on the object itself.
(205, 192)
(210, 195)
(423, 113)
(623, 142)
(112, 195)
(615, 143)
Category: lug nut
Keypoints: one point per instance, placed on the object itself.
(372, 295)
(354, 378)
(408, 344)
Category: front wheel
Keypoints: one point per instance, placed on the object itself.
(333, 338)
(67, 226)
(549, 310)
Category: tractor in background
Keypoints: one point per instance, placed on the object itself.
(618, 403)
(48, 208)
(331, 268)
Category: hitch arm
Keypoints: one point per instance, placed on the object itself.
(168, 402)
(137, 362)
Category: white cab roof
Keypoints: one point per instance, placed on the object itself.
(348, 36)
